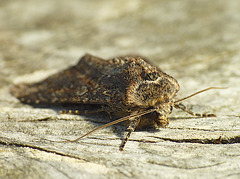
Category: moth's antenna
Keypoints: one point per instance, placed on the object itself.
(180, 100)
(113, 122)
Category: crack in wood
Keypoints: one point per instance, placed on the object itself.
(220, 140)
(40, 149)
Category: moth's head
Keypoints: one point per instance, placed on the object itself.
(159, 118)
(152, 93)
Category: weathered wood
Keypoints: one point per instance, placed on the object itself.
(197, 42)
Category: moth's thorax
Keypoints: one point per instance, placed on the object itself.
(152, 93)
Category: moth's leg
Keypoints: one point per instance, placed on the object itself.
(86, 112)
(81, 111)
(185, 109)
(131, 128)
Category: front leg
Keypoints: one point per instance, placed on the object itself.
(132, 126)
(185, 109)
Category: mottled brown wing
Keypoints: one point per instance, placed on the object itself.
(78, 84)
(92, 81)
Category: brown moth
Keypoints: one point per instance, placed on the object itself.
(130, 88)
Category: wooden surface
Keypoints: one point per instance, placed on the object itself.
(197, 42)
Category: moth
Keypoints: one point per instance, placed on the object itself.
(129, 88)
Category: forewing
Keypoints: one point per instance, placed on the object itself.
(92, 81)
(77, 84)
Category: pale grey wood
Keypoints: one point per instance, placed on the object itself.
(197, 42)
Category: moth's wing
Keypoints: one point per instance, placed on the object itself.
(78, 84)
(93, 81)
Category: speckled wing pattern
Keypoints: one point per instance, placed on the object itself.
(92, 81)
(75, 85)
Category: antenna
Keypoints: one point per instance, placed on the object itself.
(113, 122)
(180, 100)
